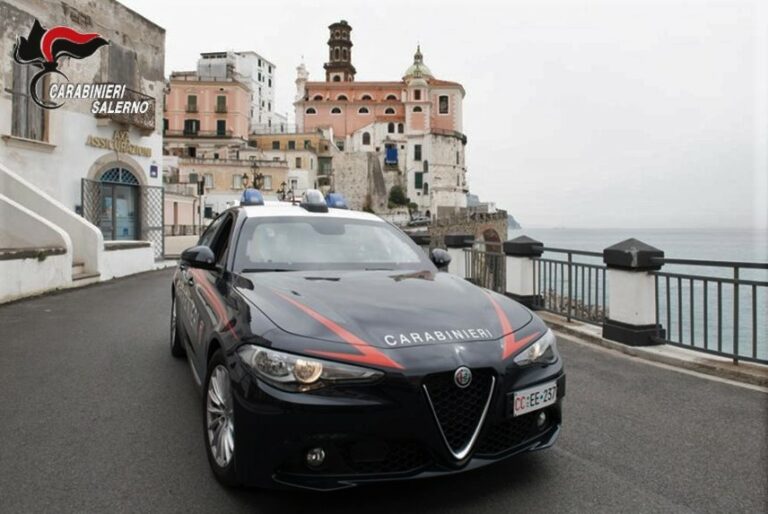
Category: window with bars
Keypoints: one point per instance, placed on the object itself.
(416, 152)
(28, 118)
(237, 181)
(209, 181)
(267, 182)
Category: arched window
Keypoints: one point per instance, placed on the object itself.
(335, 110)
(366, 97)
(391, 97)
(417, 109)
(389, 110)
(391, 128)
(366, 138)
(363, 110)
(342, 98)
(336, 34)
(317, 97)
(119, 176)
(425, 190)
(336, 78)
(310, 110)
(336, 53)
(400, 128)
(344, 54)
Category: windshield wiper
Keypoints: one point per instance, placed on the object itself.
(379, 269)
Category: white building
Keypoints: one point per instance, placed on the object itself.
(80, 193)
(258, 74)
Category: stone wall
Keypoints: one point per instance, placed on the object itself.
(477, 224)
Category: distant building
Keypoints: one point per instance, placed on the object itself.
(407, 132)
(307, 155)
(258, 74)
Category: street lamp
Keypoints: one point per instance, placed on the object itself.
(284, 193)
(258, 178)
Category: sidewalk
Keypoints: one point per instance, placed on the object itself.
(714, 365)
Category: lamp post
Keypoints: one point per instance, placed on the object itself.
(257, 178)
(285, 193)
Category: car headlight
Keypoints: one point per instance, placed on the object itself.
(543, 351)
(297, 373)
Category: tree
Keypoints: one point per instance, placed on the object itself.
(397, 196)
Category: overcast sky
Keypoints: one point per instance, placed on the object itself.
(578, 113)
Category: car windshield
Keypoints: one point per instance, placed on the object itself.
(292, 243)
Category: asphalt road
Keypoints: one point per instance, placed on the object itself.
(96, 416)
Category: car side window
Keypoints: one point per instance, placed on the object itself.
(210, 233)
(221, 240)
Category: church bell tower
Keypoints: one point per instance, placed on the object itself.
(339, 66)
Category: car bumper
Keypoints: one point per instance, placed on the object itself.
(372, 434)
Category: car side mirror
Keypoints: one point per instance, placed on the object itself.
(199, 256)
(440, 258)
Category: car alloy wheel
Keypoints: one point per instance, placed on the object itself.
(219, 419)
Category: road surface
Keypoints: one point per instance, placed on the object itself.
(96, 416)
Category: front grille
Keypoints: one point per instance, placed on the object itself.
(398, 457)
(506, 434)
(458, 410)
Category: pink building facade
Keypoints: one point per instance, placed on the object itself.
(415, 123)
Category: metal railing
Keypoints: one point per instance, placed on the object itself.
(573, 288)
(694, 308)
(198, 133)
(144, 121)
(485, 269)
(181, 230)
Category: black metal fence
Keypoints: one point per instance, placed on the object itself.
(486, 269)
(573, 286)
(722, 312)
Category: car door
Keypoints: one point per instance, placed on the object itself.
(188, 310)
(207, 294)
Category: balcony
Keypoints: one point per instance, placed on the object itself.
(191, 108)
(221, 109)
(145, 121)
(198, 133)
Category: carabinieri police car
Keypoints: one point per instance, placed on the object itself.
(331, 351)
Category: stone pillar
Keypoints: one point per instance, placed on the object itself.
(520, 253)
(456, 243)
(631, 314)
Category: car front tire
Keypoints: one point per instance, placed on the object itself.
(177, 344)
(219, 421)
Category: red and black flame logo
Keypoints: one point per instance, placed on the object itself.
(43, 48)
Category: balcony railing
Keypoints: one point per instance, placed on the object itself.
(145, 121)
(198, 133)
(191, 108)
(221, 109)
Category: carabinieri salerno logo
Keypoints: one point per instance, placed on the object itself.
(43, 48)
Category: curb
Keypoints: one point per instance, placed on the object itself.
(748, 373)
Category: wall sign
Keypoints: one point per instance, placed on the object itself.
(119, 143)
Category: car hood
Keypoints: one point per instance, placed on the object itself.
(382, 309)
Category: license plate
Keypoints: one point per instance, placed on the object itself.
(534, 398)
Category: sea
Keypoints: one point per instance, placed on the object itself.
(691, 320)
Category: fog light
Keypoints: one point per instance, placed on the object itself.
(315, 457)
(541, 419)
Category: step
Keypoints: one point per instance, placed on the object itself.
(86, 275)
(77, 268)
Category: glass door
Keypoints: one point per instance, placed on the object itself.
(119, 212)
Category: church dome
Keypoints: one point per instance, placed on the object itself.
(418, 69)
